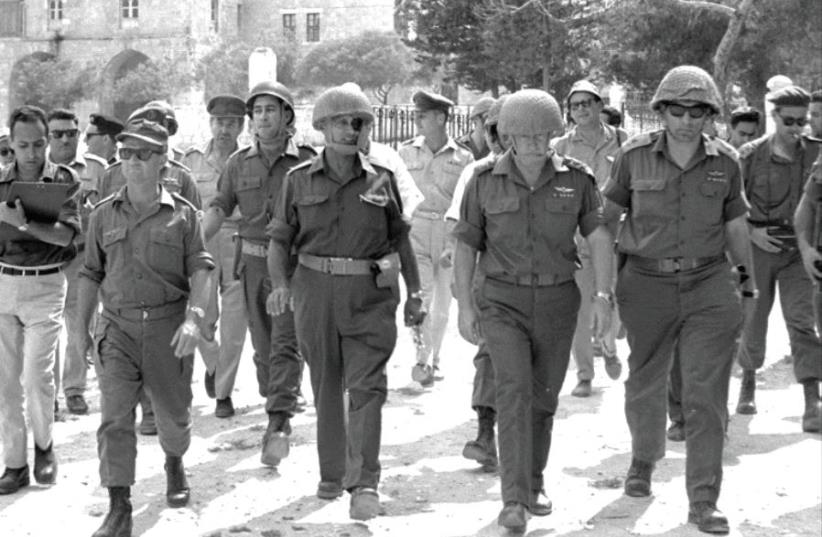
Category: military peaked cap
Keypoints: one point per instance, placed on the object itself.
(425, 100)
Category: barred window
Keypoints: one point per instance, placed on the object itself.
(312, 27)
(289, 24)
(55, 10)
(130, 9)
(215, 15)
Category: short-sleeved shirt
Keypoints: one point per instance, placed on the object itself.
(598, 157)
(385, 156)
(249, 183)
(773, 183)
(522, 230)
(22, 249)
(476, 151)
(320, 214)
(436, 175)
(675, 212)
(453, 212)
(144, 260)
(206, 168)
(89, 172)
(174, 177)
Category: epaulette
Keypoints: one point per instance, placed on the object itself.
(464, 146)
(485, 165)
(640, 140)
(812, 139)
(104, 200)
(408, 141)
(748, 149)
(114, 164)
(179, 164)
(301, 165)
(192, 149)
(96, 158)
(576, 164)
(181, 199)
(308, 147)
(725, 148)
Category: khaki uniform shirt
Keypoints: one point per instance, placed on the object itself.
(205, 170)
(522, 230)
(675, 212)
(144, 260)
(174, 177)
(598, 157)
(436, 175)
(249, 183)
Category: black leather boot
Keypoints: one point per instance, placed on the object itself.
(177, 491)
(484, 448)
(638, 481)
(118, 520)
(812, 417)
(746, 404)
(45, 465)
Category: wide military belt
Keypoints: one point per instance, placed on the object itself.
(147, 313)
(341, 266)
(674, 264)
(429, 215)
(257, 250)
(42, 270)
(532, 280)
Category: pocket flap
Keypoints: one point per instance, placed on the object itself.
(164, 237)
(247, 182)
(560, 205)
(114, 235)
(648, 184)
(504, 205)
(312, 199)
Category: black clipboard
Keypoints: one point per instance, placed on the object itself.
(41, 201)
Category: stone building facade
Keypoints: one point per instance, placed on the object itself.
(120, 34)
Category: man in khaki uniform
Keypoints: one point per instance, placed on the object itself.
(207, 163)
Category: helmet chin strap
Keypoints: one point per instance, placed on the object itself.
(361, 145)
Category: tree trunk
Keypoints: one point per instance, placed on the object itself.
(723, 52)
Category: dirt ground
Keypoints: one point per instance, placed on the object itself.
(772, 484)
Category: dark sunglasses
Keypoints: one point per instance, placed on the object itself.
(355, 122)
(6, 151)
(696, 111)
(68, 133)
(144, 154)
(581, 104)
(789, 121)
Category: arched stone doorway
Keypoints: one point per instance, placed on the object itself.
(119, 105)
(19, 93)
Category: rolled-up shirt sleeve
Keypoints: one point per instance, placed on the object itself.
(197, 257)
(94, 260)
(284, 223)
(225, 198)
(471, 226)
(617, 189)
(591, 213)
(736, 204)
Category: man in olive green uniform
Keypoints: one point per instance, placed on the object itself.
(146, 257)
(475, 138)
(521, 214)
(435, 161)
(684, 208)
(251, 181)
(206, 164)
(775, 168)
(343, 217)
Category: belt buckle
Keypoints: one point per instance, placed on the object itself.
(145, 314)
(676, 264)
(327, 265)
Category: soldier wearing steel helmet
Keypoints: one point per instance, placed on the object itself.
(681, 193)
(252, 180)
(521, 216)
(475, 138)
(342, 214)
(774, 170)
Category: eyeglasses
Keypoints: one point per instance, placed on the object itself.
(789, 121)
(6, 151)
(143, 154)
(586, 104)
(696, 111)
(56, 134)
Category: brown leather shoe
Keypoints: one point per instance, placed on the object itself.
(76, 404)
(582, 389)
(275, 440)
(540, 504)
(224, 408)
(45, 465)
(512, 517)
(708, 518)
(13, 479)
(329, 490)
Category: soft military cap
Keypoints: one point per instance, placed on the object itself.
(146, 131)
(687, 83)
(530, 112)
(583, 86)
(226, 106)
(481, 107)
(425, 100)
(159, 112)
(106, 124)
(790, 96)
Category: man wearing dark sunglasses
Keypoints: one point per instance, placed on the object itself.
(64, 137)
(6, 152)
(146, 257)
(100, 137)
(681, 194)
(775, 168)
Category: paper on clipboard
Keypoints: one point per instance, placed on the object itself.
(41, 201)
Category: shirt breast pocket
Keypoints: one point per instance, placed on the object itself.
(249, 193)
(501, 222)
(711, 200)
(165, 251)
(313, 210)
(648, 197)
(113, 243)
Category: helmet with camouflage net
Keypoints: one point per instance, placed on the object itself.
(272, 89)
(687, 83)
(529, 112)
(493, 113)
(343, 100)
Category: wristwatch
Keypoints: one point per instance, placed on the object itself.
(198, 311)
(607, 297)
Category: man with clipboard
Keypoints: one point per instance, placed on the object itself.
(33, 286)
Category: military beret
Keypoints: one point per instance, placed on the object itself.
(226, 106)
(4, 133)
(106, 124)
(790, 96)
(481, 107)
(425, 100)
(745, 114)
(583, 86)
(146, 131)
